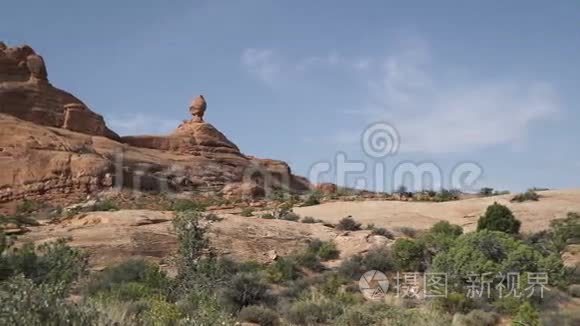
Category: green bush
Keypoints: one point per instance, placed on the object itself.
(182, 205)
(139, 275)
(486, 191)
(498, 218)
(325, 250)
(383, 232)
(529, 195)
(566, 231)
(52, 262)
(348, 224)
(104, 206)
(492, 252)
(283, 269)
(379, 259)
(313, 199)
(311, 312)
(310, 220)
(290, 216)
(245, 289)
(409, 255)
(259, 315)
(247, 212)
(440, 237)
(309, 260)
(267, 216)
(476, 318)
(527, 315)
(27, 303)
(407, 231)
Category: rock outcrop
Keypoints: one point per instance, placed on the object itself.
(52, 147)
(26, 93)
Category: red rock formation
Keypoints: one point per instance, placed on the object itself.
(51, 147)
(26, 93)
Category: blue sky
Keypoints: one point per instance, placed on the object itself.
(491, 82)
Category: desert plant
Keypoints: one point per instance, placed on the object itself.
(129, 272)
(574, 290)
(498, 217)
(527, 315)
(476, 318)
(313, 199)
(267, 216)
(247, 212)
(529, 195)
(486, 191)
(283, 269)
(182, 205)
(409, 255)
(259, 315)
(348, 224)
(310, 220)
(245, 289)
(379, 258)
(566, 231)
(383, 232)
(289, 216)
(407, 231)
(105, 206)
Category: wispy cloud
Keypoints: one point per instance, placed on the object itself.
(140, 124)
(263, 63)
(436, 115)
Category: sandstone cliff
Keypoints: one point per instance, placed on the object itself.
(52, 147)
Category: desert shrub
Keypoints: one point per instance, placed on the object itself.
(314, 312)
(348, 224)
(492, 252)
(313, 199)
(476, 318)
(527, 315)
(28, 206)
(570, 317)
(203, 307)
(212, 217)
(289, 216)
(181, 205)
(529, 195)
(440, 237)
(27, 303)
(379, 259)
(259, 315)
(566, 231)
(18, 220)
(325, 250)
(283, 269)
(454, 302)
(309, 260)
(447, 195)
(138, 274)
(310, 220)
(574, 290)
(408, 255)
(245, 289)
(486, 191)
(267, 216)
(498, 218)
(407, 231)
(247, 212)
(161, 312)
(383, 232)
(104, 206)
(52, 262)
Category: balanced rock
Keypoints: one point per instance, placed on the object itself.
(197, 108)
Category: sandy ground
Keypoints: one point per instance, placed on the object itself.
(421, 215)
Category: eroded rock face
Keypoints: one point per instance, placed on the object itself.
(26, 93)
(51, 147)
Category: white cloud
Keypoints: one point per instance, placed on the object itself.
(140, 124)
(437, 116)
(262, 63)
